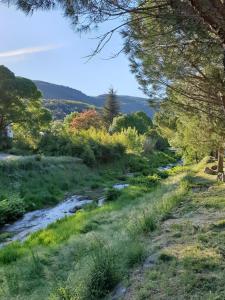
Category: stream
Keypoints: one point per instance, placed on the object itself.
(40, 219)
(170, 166)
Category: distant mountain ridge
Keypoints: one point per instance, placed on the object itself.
(62, 100)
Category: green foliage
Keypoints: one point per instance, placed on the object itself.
(147, 181)
(138, 120)
(11, 208)
(154, 141)
(104, 244)
(92, 145)
(31, 183)
(11, 253)
(111, 107)
(102, 275)
(135, 254)
(21, 106)
(132, 141)
(112, 194)
(195, 136)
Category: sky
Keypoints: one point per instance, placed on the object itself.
(45, 47)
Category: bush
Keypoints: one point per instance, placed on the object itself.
(138, 120)
(11, 209)
(136, 163)
(112, 194)
(103, 274)
(135, 254)
(132, 141)
(11, 253)
(91, 145)
(86, 119)
(147, 181)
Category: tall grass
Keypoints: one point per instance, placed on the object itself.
(83, 257)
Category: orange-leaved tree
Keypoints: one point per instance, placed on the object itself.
(87, 119)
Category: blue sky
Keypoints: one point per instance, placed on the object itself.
(44, 46)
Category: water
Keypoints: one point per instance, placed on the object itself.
(170, 166)
(120, 186)
(40, 219)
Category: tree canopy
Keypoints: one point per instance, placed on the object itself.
(177, 52)
(86, 14)
(138, 120)
(111, 107)
(20, 103)
(85, 120)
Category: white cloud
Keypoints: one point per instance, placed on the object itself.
(27, 51)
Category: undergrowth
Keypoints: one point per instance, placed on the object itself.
(86, 255)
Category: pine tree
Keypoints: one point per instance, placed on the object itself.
(111, 107)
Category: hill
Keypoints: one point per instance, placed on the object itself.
(62, 100)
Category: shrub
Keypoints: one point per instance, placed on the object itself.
(91, 145)
(147, 181)
(11, 253)
(135, 254)
(136, 163)
(131, 140)
(163, 174)
(112, 194)
(11, 208)
(138, 120)
(102, 275)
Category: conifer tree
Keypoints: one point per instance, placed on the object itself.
(111, 107)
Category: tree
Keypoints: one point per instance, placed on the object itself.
(111, 107)
(194, 135)
(138, 120)
(185, 65)
(85, 120)
(86, 14)
(190, 33)
(20, 104)
(69, 118)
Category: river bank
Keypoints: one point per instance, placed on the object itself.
(36, 182)
(95, 238)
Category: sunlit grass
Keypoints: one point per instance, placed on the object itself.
(190, 249)
(90, 252)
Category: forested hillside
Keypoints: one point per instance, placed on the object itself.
(62, 100)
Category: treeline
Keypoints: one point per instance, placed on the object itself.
(176, 50)
(86, 135)
(95, 136)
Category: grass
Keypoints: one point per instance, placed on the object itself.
(86, 255)
(35, 182)
(190, 248)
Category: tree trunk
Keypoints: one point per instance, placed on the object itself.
(220, 164)
(216, 154)
(220, 159)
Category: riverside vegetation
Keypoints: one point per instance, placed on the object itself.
(85, 256)
(161, 237)
(87, 249)
(80, 155)
(139, 233)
